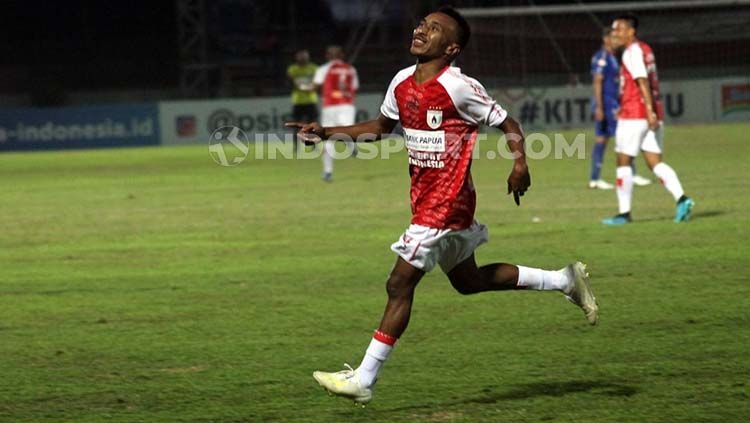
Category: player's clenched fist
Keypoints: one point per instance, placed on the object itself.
(309, 133)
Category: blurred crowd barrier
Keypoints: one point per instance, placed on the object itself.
(262, 119)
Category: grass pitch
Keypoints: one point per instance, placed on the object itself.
(152, 285)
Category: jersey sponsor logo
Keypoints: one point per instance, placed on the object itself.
(434, 118)
(418, 140)
(424, 159)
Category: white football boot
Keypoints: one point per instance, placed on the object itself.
(344, 384)
(640, 181)
(580, 292)
(600, 184)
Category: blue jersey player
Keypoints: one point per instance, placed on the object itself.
(605, 72)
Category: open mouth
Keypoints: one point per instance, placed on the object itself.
(419, 41)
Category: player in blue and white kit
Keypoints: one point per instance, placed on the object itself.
(605, 72)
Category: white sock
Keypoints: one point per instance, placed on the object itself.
(327, 155)
(624, 188)
(670, 180)
(542, 280)
(375, 356)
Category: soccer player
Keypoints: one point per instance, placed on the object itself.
(441, 110)
(304, 97)
(338, 83)
(640, 125)
(605, 73)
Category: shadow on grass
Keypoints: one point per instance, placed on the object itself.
(531, 390)
(558, 389)
(64, 291)
(708, 213)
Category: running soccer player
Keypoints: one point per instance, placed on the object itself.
(605, 73)
(338, 83)
(640, 126)
(441, 110)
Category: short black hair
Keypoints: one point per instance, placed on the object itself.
(630, 18)
(464, 31)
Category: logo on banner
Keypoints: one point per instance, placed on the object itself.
(434, 118)
(185, 126)
(735, 98)
(221, 118)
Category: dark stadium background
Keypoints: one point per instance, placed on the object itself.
(81, 52)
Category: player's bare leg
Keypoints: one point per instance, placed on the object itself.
(671, 182)
(400, 287)
(357, 384)
(467, 278)
(572, 281)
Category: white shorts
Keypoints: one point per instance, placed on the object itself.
(633, 136)
(341, 115)
(424, 247)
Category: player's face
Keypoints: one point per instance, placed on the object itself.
(622, 33)
(302, 57)
(433, 36)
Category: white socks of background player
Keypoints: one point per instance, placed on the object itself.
(670, 180)
(327, 155)
(624, 188)
(543, 280)
(376, 354)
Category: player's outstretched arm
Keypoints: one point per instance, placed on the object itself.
(372, 130)
(519, 179)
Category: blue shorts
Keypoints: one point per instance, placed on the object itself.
(606, 127)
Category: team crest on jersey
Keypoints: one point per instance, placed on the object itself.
(434, 118)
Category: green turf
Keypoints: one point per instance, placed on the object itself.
(154, 285)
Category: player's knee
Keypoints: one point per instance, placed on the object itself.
(463, 289)
(462, 286)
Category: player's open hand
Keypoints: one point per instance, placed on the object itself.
(308, 133)
(519, 181)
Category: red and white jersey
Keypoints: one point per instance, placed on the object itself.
(339, 82)
(638, 62)
(441, 118)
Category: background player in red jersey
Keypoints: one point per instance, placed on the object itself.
(338, 84)
(441, 110)
(605, 73)
(640, 126)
